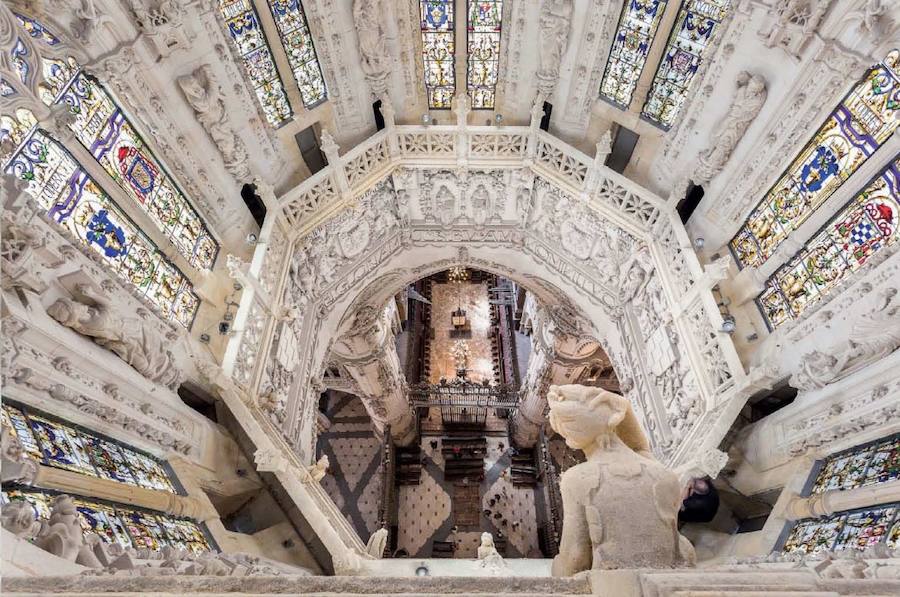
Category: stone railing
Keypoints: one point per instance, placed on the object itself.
(350, 175)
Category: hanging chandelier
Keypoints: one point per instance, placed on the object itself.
(457, 274)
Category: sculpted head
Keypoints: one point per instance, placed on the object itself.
(584, 414)
(69, 312)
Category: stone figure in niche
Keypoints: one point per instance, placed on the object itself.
(203, 94)
(556, 24)
(372, 44)
(376, 544)
(130, 339)
(318, 470)
(873, 337)
(621, 506)
(748, 101)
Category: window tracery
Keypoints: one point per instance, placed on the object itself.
(696, 26)
(866, 225)
(861, 123)
(247, 35)
(637, 27)
(74, 200)
(54, 443)
(293, 29)
(484, 29)
(439, 49)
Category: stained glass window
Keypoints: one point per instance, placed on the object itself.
(54, 443)
(103, 129)
(862, 122)
(859, 529)
(74, 200)
(248, 37)
(637, 28)
(439, 48)
(863, 227)
(696, 26)
(293, 28)
(870, 464)
(484, 27)
(62, 446)
(115, 523)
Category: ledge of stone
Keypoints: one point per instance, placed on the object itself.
(294, 585)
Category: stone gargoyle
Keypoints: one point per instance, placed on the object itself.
(130, 339)
(620, 508)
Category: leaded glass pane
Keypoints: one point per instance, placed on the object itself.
(853, 132)
(865, 226)
(103, 129)
(249, 39)
(108, 459)
(865, 529)
(61, 445)
(696, 26)
(127, 526)
(484, 28)
(293, 28)
(108, 134)
(867, 465)
(147, 471)
(637, 28)
(103, 520)
(15, 419)
(184, 533)
(811, 536)
(40, 502)
(438, 48)
(74, 200)
(145, 529)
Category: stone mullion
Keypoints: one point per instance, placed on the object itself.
(654, 56)
(105, 489)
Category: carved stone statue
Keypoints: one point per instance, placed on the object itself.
(373, 50)
(203, 94)
(62, 536)
(17, 517)
(556, 25)
(17, 465)
(621, 506)
(873, 337)
(318, 470)
(488, 555)
(748, 101)
(130, 339)
(375, 546)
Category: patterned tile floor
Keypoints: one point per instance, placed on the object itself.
(473, 298)
(353, 482)
(426, 514)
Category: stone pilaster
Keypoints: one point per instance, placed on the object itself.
(367, 351)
